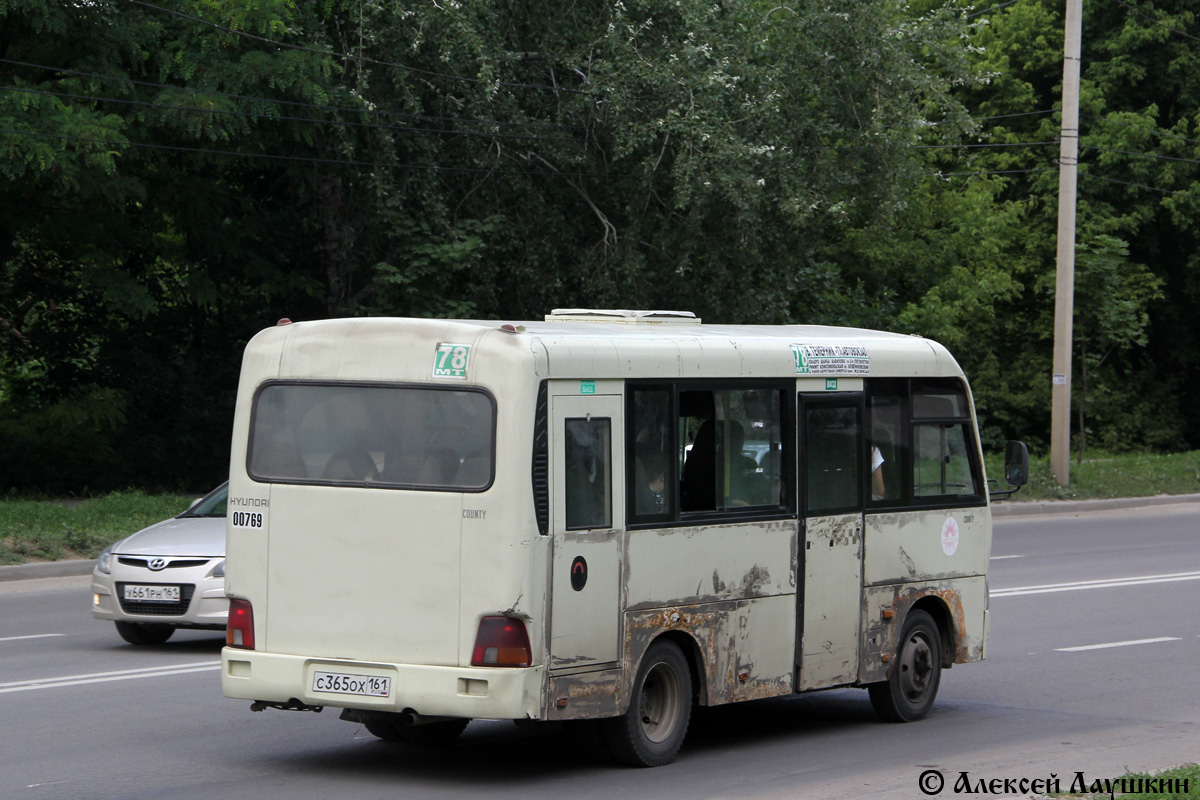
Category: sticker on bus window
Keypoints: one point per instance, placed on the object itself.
(450, 360)
(950, 536)
(823, 359)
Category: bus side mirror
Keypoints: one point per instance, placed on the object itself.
(1016, 463)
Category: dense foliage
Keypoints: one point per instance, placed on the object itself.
(176, 177)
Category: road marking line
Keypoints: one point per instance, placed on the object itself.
(1001, 558)
(1096, 584)
(103, 677)
(1116, 644)
(31, 636)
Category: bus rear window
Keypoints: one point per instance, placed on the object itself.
(378, 435)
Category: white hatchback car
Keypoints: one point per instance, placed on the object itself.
(170, 575)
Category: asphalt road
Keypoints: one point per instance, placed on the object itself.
(1090, 669)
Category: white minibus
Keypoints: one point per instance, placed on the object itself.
(604, 518)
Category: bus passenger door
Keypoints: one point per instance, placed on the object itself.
(587, 514)
(831, 486)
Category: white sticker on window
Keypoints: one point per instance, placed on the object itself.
(450, 360)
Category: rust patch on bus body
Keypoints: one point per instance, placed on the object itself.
(718, 634)
(587, 695)
(712, 625)
(881, 637)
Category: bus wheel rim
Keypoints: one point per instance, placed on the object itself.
(659, 703)
(916, 667)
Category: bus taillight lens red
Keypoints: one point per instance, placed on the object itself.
(240, 630)
(502, 642)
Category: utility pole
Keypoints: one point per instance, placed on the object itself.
(1064, 284)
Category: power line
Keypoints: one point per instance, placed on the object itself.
(987, 10)
(1157, 22)
(978, 144)
(361, 59)
(922, 146)
(214, 92)
(994, 172)
(306, 159)
(1139, 186)
(1136, 153)
(283, 118)
(1022, 114)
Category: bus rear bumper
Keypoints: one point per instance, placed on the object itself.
(468, 692)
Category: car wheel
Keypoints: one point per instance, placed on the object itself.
(912, 686)
(651, 732)
(144, 633)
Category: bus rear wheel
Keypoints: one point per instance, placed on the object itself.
(394, 728)
(651, 732)
(433, 734)
(911, 687)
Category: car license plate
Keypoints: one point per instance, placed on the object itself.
(152, 594)
(341, 683)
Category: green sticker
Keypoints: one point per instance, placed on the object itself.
(450, 360)
(831, 384)
(587, 387)
(801, 360)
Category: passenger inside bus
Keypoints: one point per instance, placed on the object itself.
(651, 486)
(877, 488)
(350, 465)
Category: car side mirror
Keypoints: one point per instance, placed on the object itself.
(1016, 463)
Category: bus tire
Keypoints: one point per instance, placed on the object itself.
(912, 685)
(144, 633)
(383, 728)
(651, 732)
(433, 734)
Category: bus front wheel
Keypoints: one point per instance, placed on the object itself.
(911, 687)
(651, 732)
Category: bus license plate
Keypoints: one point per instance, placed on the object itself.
(341, 683)
(152, 594)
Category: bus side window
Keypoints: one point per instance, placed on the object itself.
(941, 465)
(942, 440)
(588, 456)
(652, 467)
(832, 458)
(887, 425)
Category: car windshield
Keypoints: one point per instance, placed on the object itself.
(211, 505)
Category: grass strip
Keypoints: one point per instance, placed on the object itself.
(1188, 775)
(1108, 476)
(48, 530)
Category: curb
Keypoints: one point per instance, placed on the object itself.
(1009, 509)
(48, 569)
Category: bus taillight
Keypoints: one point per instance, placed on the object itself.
(501, 642)
(240, 630)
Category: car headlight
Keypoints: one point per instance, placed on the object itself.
(104, 561)
(218, 571)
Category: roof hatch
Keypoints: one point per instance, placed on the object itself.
(624, 316)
